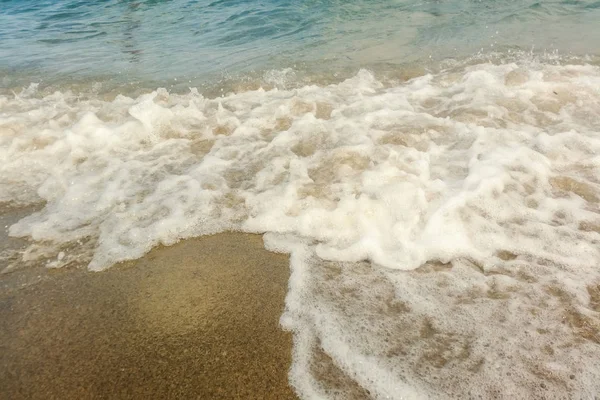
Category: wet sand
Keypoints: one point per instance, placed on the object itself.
(199, 319)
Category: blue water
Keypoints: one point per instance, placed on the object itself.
(159, 41)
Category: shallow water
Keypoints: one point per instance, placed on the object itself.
(432, 168)
(160, 41)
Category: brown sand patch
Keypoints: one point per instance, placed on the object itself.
(199, 319)
(332, 377)
(581, 189)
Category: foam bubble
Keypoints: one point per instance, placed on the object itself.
(444, 232)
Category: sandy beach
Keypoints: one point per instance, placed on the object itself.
(199, 319)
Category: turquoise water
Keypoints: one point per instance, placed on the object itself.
(431, 167)
(203, 40)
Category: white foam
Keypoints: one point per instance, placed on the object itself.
(492, 169)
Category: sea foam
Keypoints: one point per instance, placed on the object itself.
(444, 231)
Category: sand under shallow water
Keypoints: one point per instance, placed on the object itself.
(443, 232)
(199, 319)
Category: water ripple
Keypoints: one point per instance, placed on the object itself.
(166, 39)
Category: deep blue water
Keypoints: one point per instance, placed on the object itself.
(162, 40)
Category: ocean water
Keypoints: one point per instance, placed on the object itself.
(432, 168)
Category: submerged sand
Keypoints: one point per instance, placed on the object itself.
(199, 319)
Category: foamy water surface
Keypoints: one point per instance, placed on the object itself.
(442, 218)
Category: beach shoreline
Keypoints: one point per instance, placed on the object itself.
(199, 319)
